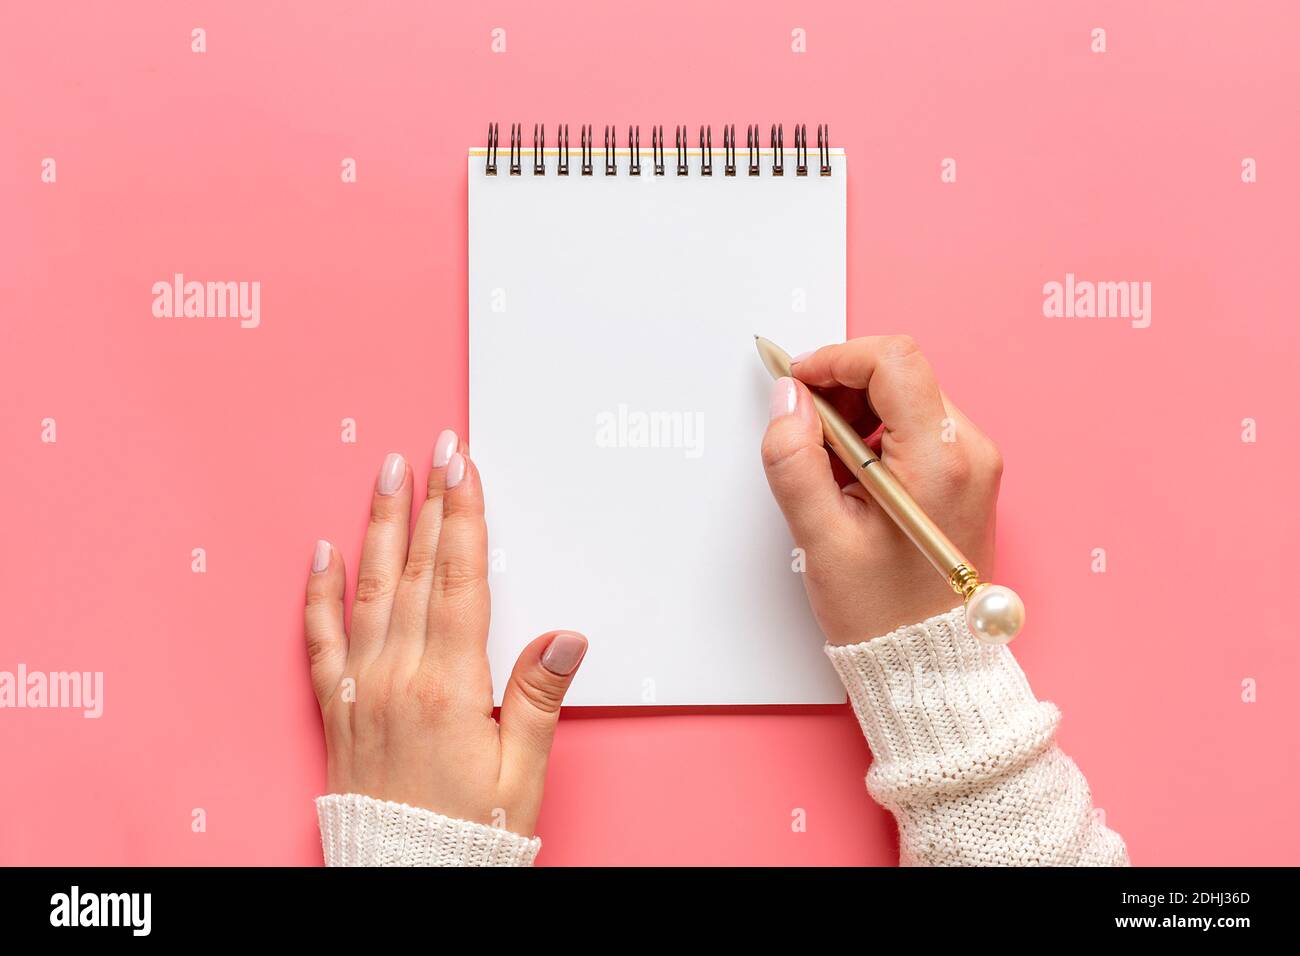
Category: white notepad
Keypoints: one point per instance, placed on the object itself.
(617, 406)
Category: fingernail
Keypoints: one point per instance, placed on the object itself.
(799, 358)
(784, 397)
(392, 474)
(321, 559)
(455, 470)
(446, 444)
(564, 653)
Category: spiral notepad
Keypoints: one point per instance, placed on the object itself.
(617, 404)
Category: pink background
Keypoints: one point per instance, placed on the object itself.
(176, 434)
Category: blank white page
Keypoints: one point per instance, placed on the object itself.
(617, 406)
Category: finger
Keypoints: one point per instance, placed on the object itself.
(383, 555)
(459, 605)
(899, 382)
(797, 464)
(327, 642)
(851, 403)
(411, 605)
(530, 707)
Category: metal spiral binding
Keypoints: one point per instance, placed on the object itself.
(634, 149)
(659, 145)
(493, 136)
(516, 148)
(611, 143)
(586, 145)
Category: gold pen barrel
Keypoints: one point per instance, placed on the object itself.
(876, 477)
(916, 524)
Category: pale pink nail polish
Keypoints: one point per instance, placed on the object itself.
(784, 397)
(445, 445)
(800, 357)
(564, 653)
(455, 470)
(392, 474)
(321, 559)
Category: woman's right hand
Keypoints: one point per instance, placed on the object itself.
(863, 576)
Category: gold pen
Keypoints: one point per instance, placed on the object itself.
(994, 613)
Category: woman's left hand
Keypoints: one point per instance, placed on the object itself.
(405, 692)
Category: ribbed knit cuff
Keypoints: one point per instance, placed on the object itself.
(938, 706)
(356, 830)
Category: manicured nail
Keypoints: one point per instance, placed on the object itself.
(564, 653)
(784, 397)
(799, 358)
(455, 470)
(392, 474)
(321, 559)
(446, 444)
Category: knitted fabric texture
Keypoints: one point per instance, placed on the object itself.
(965, 757)
(360, 831)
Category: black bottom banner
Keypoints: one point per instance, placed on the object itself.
(317, 906)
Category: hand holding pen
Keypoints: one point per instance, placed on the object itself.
(872, 536)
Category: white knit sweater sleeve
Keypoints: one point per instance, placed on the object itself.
(360, 831)
(965, 757)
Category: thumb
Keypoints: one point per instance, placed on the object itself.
(798, 466)
(530, 707)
